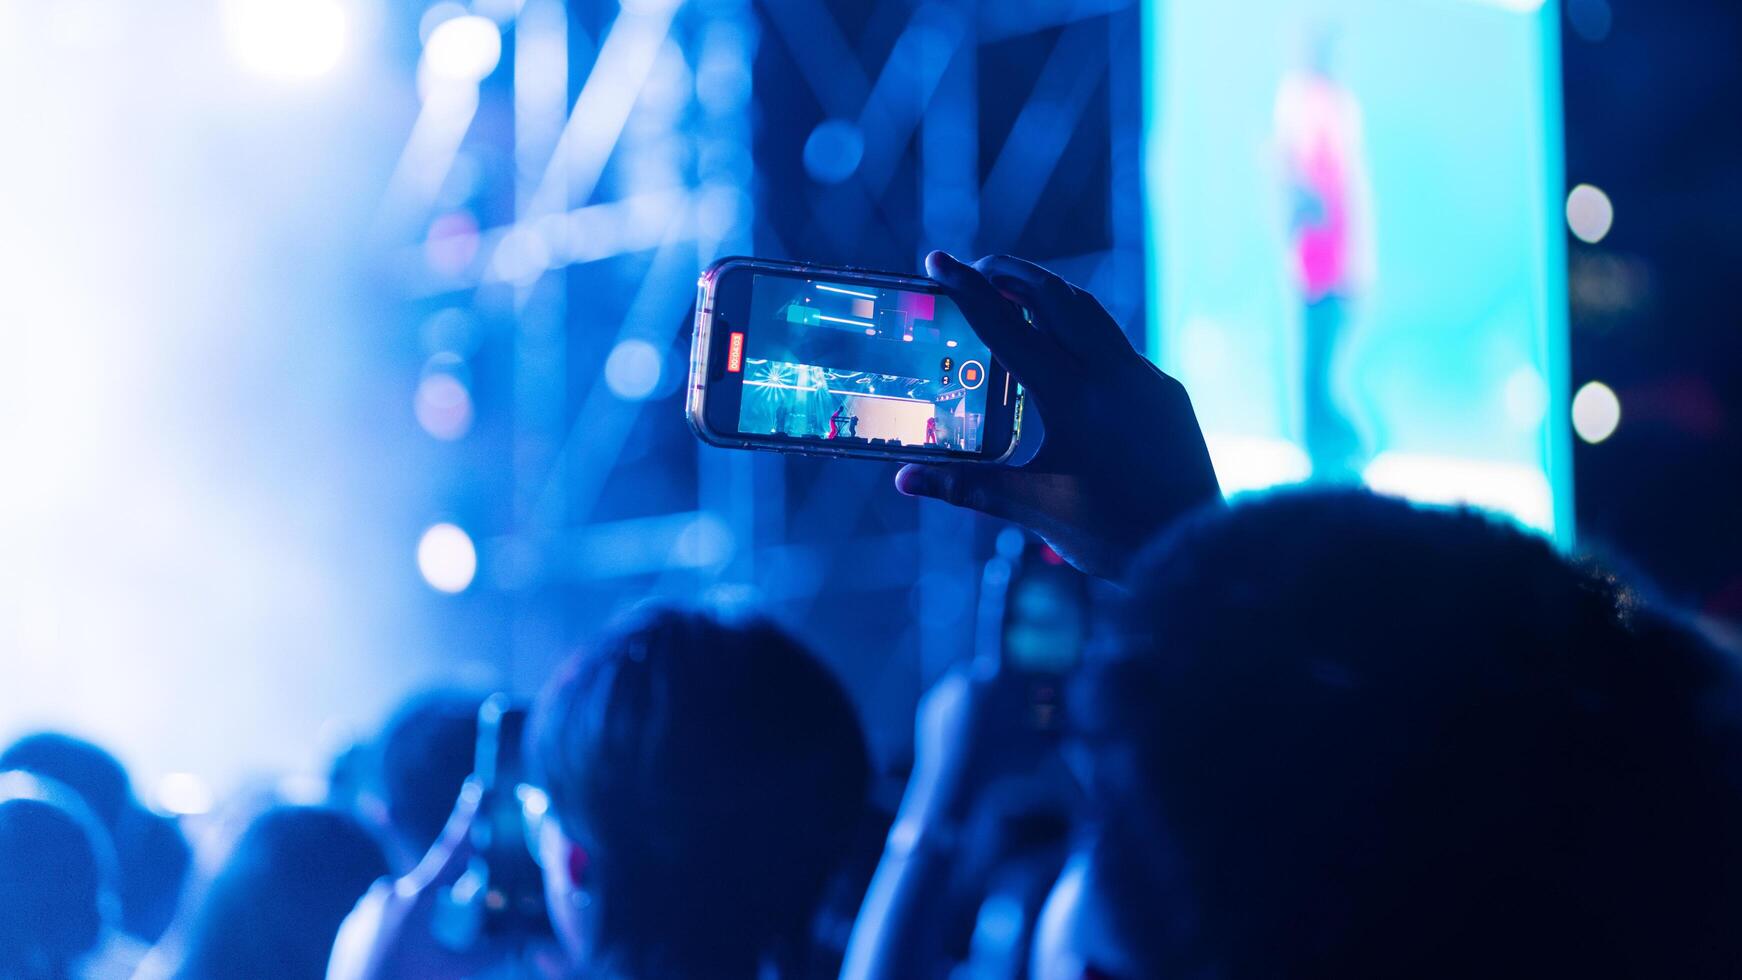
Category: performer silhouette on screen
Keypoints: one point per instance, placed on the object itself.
(1318, 129)
(853, 427)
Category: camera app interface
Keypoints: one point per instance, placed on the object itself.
(852, 363)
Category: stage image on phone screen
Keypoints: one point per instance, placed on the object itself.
(1357, 247)
(854, 363)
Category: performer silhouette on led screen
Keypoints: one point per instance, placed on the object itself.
(1331, 249)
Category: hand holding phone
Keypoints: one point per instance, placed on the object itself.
(1123, 455)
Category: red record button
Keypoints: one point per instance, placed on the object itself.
(973, 374)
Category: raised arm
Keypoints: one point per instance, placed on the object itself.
(1123, 455)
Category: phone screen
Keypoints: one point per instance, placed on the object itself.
(1046, 622)
(513, 887)
(1035, 615)
(852, 365)
(1045, 613)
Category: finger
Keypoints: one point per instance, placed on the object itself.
(1047, 297)
(1030, 355)
(984, 489)
(938, 483)
(1072, 316)
(451, 854)
(1052, 505)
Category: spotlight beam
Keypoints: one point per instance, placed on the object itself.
(1041, 132)
(593, 233)
(626, 58)
(595, 438)
(828, 63)
(904, 88)
(429, 153)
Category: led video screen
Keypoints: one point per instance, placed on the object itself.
(1356, 256)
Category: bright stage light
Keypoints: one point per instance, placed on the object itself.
(182, 794)
(632, 370)
(290, 39)
(1596, 412)
(463, 49)
(1590, 214)
(447, 558)
(534, 802)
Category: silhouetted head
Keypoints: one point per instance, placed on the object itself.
(427, 750)
(276, 904)
(151, 855)
(83, 767)
(55, 873)
(154, 857)
(706, 778)
(1374, 739)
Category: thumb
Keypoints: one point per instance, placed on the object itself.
(987, 490)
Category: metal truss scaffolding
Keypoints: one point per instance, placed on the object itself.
(625, 147)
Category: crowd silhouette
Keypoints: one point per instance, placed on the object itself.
(1316, 733)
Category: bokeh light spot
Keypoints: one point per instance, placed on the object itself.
(463, 49)
(447, 558)
(1596, 412)
(443, 406)
(833, 151)
(632, 370)
(1590, 214)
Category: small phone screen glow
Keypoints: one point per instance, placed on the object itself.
(853, 363)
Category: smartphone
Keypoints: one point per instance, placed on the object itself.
(512, 888)
(844, 362)
(1035, 615)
